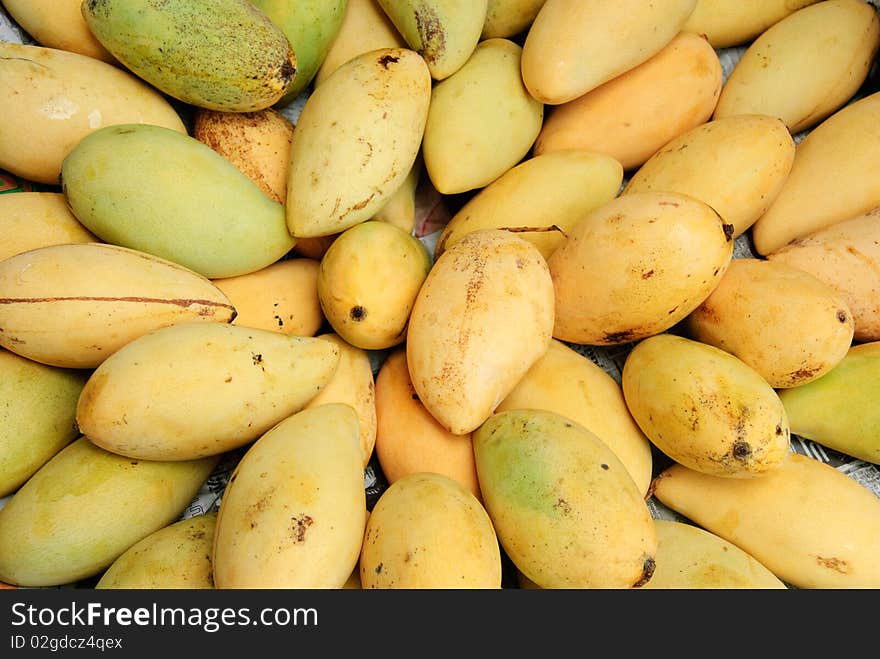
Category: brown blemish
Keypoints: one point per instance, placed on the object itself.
(648, 567)
(836, 564)
(728, 231)
(742, 451)
(299, 526)
(842, 316)
(431, 34)
(179, 302)
(648, 274)
(562, 506)
(385, 60)
(619, 337)
(357, 313)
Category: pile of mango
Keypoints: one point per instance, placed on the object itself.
(192, 273)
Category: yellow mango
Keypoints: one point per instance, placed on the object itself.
(73, 517)
(54, 98)
(428, 531)
(482, 317)
(33, 219)
(806, 66)
(294, 510)
(363, 125)
(73, 305)
(689, 557)
(785, 323)
(831, 534)
(565, 509)
(705, 408)
(573, 47)
(177, 556)
(540, 199)
(566, 382)
(635, 266)
(833, 177)
(737, 165)
(509, 18)
(282, 297)
(37, 415)
(481, 121)
(409, 439)
(635, 113)
(400, 209)
(727, 23)
(196, 389)
(846, 256)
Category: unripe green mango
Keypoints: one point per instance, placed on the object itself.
(37, 415)
(310, 26)
(85, 507)
(165, 193)
(840, 409)
(218, 54)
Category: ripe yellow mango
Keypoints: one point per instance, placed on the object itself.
(482, 317)
(783, 322)
(363, 126)
(563, 505)
(294, 509)
(481, 120)
(73, 517)
(58, 24)
(196, 389)
(573, 47)
(428, 531)
(29, 220)
(830, 537)
(635, 266)
(806, 66)
(54, 98)
(635, 113)
(737, 165)
(509, 18)
(704, 408)
(729, 23)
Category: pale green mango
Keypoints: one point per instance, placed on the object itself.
(222, 55)
(840, 410)
(310, 26)
(37, 415)
(165, 193)
(85, 507)
(176, 556)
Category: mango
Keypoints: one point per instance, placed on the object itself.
(73, 517)
(705, 408)
(727, 23)
(29, 220)
(362, 126)
(177, 556)
(509, 18)
(565, 509)
(195, 389)
(400, 209)
(217, 54)
(635, 113)
(54, 98)
(482, 317)
(635, 266)
(783, 322)
(294, 510)
(481, 120)
(428, 531)
(168, 194)
(368, 281)
(839, 409)
(37, 415)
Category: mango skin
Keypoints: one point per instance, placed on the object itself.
(177, 556)
(727, 23)
(362, 125)
(168, 194)
(37, 219)
(564, 508)
(37, 415)
(56, 97)
(428, 531)
(839, 410)
(217, 54)
(508, 18)
(783, 322)
(831, 534)
(192, 389)
(294, 511)
(73, 518)
(704, 408)
(634, 114)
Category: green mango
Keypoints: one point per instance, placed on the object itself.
(37, 415)
(840, 410)
(165, 193)
(224, 55)
(310, 26)
(85, 507)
